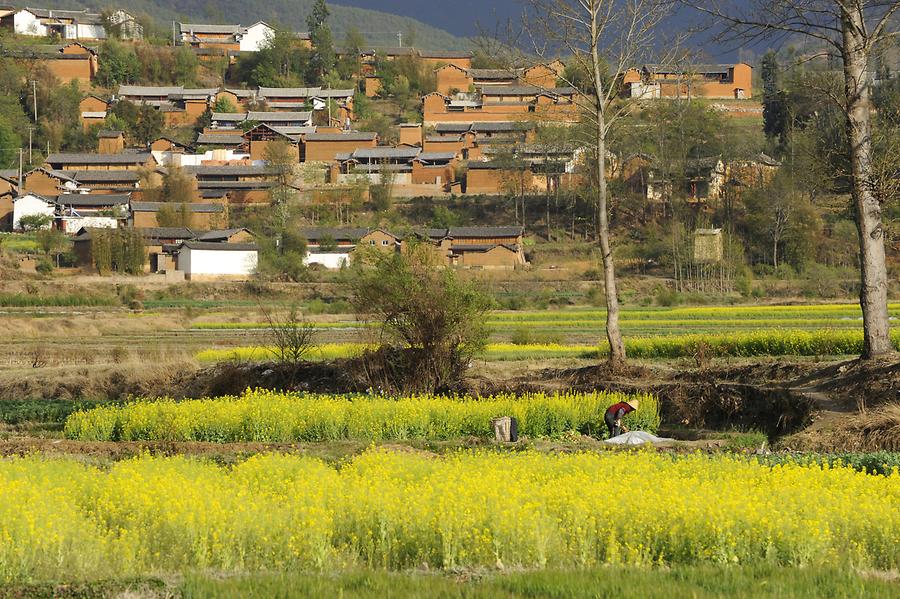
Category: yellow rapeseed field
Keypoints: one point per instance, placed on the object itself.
(63, 519)
(269, 416)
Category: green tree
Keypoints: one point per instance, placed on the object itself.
(323, 57)
(10, 143)
(185, 67)
(434, 321)
(118, 64)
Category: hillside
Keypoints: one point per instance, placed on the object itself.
(380, 28)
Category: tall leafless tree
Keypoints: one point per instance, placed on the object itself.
(601, 40)
(852, 30)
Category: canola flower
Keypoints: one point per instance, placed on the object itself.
(61, 519)
(775, 342)
(268, 416)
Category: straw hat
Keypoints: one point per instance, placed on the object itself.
(634, 403)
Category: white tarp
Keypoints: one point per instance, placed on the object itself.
(637, 438)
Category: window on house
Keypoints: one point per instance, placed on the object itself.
(384, 242)
(371, 242)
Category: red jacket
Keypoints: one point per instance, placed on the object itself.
(614, 409)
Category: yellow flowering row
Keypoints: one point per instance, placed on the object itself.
(775, 342)
(63, 519)
(268, 416)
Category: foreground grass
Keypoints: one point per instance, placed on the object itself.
(697, 582)
(643, 583)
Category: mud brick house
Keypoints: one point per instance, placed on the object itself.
(69, 62)
(93, 110)
(437, 58)
(454, 78)
(78, 161)
(167, 144)
(239, 98)
(465, 247)
(110, 141)
(375, 161)
(309, 98)
(434, 168)
(502, 103)
(713, 81)
(333, 247)
(220, 141)
(107, 182)
(258, 140)
(201, 215)
(233, 121)
(179, 105)
(64, 24)
(242, 184)
(76, 211)
(48, 182)
(325, 147)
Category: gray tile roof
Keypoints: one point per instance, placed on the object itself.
(524, 90)
(206, 28)
(88, 199)
(219, 139)
(106, 176)
(236, 170)
(348, 136)
(337, 234)
(87, 158)
(192, 207)
(386, 153)
(219, 246)
(288, 92)
(436, 156)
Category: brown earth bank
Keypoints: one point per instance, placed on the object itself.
(847, 405)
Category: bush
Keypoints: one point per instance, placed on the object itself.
(425, 310)
(44, 267)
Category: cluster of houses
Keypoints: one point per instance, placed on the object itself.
(468, 247)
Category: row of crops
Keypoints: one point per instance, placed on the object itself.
(64, 519)
(267, 416)
(775, 342)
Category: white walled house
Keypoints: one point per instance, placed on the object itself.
(255, 37)
(67, 24)
(32, 204)
(214, 260)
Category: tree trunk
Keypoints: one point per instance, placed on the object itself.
(613, 333)
(874, 282)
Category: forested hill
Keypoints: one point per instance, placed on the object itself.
(380, 28)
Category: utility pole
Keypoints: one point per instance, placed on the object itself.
(400, 39)
(34, 94)
(30, 159)
(19, 180)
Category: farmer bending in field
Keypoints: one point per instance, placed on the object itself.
(614, 415)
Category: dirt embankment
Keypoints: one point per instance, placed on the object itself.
(800, 405)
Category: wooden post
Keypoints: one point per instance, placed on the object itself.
(506, 429)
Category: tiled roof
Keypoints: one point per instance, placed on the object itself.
(106, 176)
(219, 139)
(192, 207)
(206, 28)
(87, 158)
(348, 136)
(342, 234)
(219, 246)
(386, 153)
(89, 199)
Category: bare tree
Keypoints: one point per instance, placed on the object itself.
(603, 40)
(852, 30)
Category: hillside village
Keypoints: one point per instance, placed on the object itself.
(182, 159)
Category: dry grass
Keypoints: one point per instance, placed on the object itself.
(874, 430)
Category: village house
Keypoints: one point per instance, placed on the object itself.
(179, 105)
(124, 26)
(373, 162)
(69, 62)
(199, 215)
(713, 81)
(32, 204)
(93, 111)
(75, 211)
(107, 182)
(48, 182)
(63, 24)
(502, 103)
(225, 38)
(464, 247)
(79, 161)
(209, 260)
(454, 78)
(258, 140)
(232, 121)
(110, 141)
(325, 147)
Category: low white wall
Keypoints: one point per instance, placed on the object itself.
(218, 262)
(330, 260)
